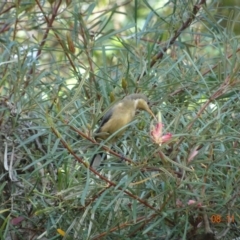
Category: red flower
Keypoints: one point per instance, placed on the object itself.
(156, 133)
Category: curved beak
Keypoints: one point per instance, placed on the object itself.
(151, 113)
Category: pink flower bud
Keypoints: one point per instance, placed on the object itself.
(157, 134)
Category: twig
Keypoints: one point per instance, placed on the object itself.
(79, 159)
(43, 41)
(185, 25)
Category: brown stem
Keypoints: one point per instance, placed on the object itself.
(80, 160)
(43, 41)
(185, 25)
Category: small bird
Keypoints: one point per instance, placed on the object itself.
(121, 114)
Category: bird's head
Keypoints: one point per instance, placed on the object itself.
(141, 102)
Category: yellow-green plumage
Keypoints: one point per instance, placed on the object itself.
(120, 115)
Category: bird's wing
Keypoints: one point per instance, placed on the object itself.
(105, 118)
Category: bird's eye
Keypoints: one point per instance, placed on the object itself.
(148, 103)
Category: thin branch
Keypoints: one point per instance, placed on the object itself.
(107, 149)
(185, 25)
(138, 220)
(43, 41)
(80, 160)
(182, 89)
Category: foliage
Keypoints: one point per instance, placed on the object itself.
(63, 64)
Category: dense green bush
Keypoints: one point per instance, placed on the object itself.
(63, 64)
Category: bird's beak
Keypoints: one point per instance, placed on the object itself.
(151, 113)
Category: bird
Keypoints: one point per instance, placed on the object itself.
(118, 116)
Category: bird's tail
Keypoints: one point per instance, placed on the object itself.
(97, 159)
